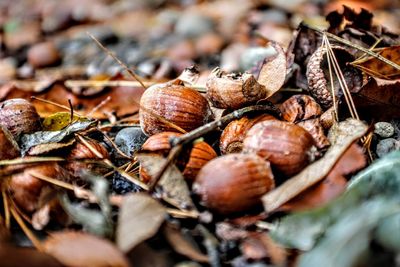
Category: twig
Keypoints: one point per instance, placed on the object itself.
(98, 106)
(111, 54)
(6, 207)
(348, 43)
(29, 160)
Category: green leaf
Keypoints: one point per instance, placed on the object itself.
(347, 241)
(302, 230)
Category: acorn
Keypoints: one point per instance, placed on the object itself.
(180, 105)
(233, 91)
(27, 189)
(231, 140)
(318, 76)
(80, 152)
(200, 154)
(299, 108)
(8, 146)
(314, 127)
(19, 116)
(286, 146)
(233, 183)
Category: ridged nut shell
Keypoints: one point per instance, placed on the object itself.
(299, 108)
(314, 127)
(200, 154)
(318, 75)
(327, 118)
(26, 189)
(80, 151)
(233, 183)
(177, 104)
(233, 91)
(285, 145)
(19, 116)
(232, 137)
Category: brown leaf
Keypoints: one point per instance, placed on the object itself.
(258, 246)
(272, 73)
(140, 217)
(81, 249)
(332, 186)
(183, 245)
(379, 99)
(379, 69)
(13, 256)
(342, 136)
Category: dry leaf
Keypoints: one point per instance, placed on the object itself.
(81, 250)
(379, 99)
(332, 186)
(272, 73)
(342, 136)
(13, 257)
(183, 245)
(379, 69)
(140, 217)
(258, 246)
(172, 184)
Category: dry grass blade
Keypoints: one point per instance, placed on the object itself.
(29, 160)
(6, 205)
(55, 104)
(97, 107)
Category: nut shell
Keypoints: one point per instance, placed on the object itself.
(233, 91)
(179, 105)
(232, 137)
(314, 127)
(285, 145)
(200, 154)
(233, 183)
(299, 108)
(19, 116)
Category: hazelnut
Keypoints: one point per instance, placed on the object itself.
(299, 108)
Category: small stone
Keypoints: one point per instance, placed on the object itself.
(43, 55)
(384, 129)
(191, 25)
(129, 140)
(386, 146)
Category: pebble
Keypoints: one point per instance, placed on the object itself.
(193, 25)
(130, 140)
(384, 129)
(386, 146)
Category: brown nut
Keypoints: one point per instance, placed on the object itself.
(231, 140)
(327, 118)
(19, 116)
(80, 151)
(8, 146)
(299, 108)
(26, 189)
(43, 55)
(200, 154)
(314, 127)
(177, 104)
(285, 145)
(233, 91)
(234, 182)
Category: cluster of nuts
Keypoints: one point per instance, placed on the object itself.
(255, 149)
(19, 117)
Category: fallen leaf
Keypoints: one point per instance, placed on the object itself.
(15, 256)
(379, 69)
(58, 121)
(258, 246)
(172, 185)
(140, 217)
(332, 186)
(272, 73)
(379, 100)
(80, 249)
(184, 244)
(49, 147)
(302, 230)
(29, 141)
(342, 136)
